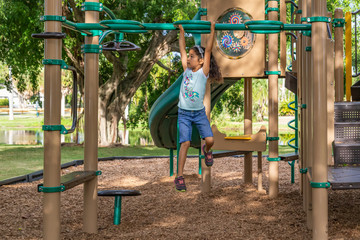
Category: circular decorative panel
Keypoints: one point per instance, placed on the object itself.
(234, 44)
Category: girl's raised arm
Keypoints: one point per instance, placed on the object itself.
(208, 49)
(182, 46)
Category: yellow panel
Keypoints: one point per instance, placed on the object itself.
(253, 63)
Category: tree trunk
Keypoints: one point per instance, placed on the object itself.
(117, 92)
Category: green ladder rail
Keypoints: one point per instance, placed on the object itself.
(296, 139)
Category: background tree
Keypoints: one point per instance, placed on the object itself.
(121, 74)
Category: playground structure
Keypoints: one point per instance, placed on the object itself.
(313, 67)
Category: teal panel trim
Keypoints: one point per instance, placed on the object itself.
(60, 128)
(92, 6)
(53, 18)
(320, 184)
(274, 159)
(308, 49)
(303, 170)
(299, 11)
(41, 188)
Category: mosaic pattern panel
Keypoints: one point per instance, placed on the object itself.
(234, 44)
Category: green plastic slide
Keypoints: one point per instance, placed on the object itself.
(163, 114)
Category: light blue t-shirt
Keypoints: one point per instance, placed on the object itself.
(192, 90)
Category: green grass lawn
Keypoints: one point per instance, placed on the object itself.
(19, 160)
(27, 120)
(16, 160)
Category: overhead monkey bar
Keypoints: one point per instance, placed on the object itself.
(189, 25)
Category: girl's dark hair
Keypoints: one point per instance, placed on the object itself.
(214, 72)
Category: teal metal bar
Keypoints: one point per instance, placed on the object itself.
(116, 25)
(200, 161)
(109, 12)
(171, 162)
(117, 210)
(296, 146)
(177, 149)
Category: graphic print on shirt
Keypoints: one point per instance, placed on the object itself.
(189, 93)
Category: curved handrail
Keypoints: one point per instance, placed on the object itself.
(74, 97)
(293, 3)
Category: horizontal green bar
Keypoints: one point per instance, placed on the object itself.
(91, 48)
(60, 128)
(274, 159)
(53, 18)
(319, 19)
(308, 49)
(320, 184)
(272, 138)
(272, 72)
(41, 188)
(91, 26)
(108, 25)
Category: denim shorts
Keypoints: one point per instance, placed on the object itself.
(187, 118)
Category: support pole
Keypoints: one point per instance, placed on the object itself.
(52, 108)
(339, 62)
(91, 126)
(319, 175)
(248, 128)
(273, 107)
(308, 69)
(205, 170)
(299, 61)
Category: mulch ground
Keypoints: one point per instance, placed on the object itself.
(232, 210)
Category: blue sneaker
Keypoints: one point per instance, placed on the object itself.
(180, 184)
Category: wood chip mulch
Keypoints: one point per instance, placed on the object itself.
(233, 210)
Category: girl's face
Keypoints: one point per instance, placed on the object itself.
(193, 61)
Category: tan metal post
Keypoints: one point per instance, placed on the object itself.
(248, 127)
(319, 175)
(91, 126)
(339, 55)
(205, 170)
(273, 107)
(310, 126)
(52, 109)
(306, 115)
(330, 98)
(299, 59)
